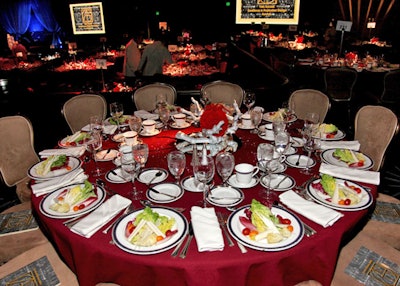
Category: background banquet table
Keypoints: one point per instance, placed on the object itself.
(97, 259)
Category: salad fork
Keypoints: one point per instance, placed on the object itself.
(128, 210)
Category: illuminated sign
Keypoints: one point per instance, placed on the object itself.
(87, 18)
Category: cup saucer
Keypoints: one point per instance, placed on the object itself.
(234, 183)
(157, 131)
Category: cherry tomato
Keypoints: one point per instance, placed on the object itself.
(246, 231)
(81, 206)
(286, 221)
(129, 228)
(252, 234)
(170, 232)
(347, 202)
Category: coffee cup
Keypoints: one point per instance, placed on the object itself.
(149, 126)
(246, 120)
(180, 119)
(245, 172)
(130, 137)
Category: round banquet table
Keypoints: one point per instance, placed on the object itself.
(97, 259)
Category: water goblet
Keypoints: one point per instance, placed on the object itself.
(204, 170)
(135, 123)
(265, 158)
(224, 162)
(161, 100)
(256, 117)
(130, 167)
(94, 144)
(311, 120)
(282, 142)
(249, 100)
(140, 153)
(176, 164)
(309, 145)
(164, 114)
(96, 124)
(116, 112)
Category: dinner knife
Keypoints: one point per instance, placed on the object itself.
(161, 193)
(186, 247)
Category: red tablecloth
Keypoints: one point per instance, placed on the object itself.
(97, 259)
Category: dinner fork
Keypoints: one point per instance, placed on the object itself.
(128, 210)
(222, 223)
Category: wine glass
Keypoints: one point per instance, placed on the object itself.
(140, 153)
(135, 123)
(176, 164)
(116, 112)
(282, 142)
(164, 113)
(204, 169)
(224, 162)
(309, 146)
(265, 158)
(161, 100)
(94, 144)
(96, 124)
(249, 100)
(311, 120)
(130, 167)
(256, 117)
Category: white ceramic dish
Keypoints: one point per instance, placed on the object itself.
(292, 159)
(327, 157)
(146, 175)
(116, 178)
(234, 183)
(279, 182)
(164, 189)
(222, 196)
(73, 164)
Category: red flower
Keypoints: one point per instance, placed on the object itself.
(212, 115)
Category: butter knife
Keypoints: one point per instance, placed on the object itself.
(165, 194)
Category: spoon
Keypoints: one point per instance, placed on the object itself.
(156, 175)
(298, 160)
(147, 203)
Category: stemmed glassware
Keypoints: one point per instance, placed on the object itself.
(204, 170)
(131, 167)
(176, 164)
(282, 142)
(310, 126)
(164, 114)
(265, 157)
(249, 100)
(116, 112)
(135, 123)
(140, 153)
(225, 162)
(256, 117)
(94, 145)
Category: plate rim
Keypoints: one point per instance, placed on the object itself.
(61, 216)
(153, 169)
(274, 209)
(234, 203)
(113, 181)
(78, 161)
(170, 200)
(299, 167)
(344, 164)
(147, 252)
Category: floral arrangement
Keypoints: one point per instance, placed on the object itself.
(212, 115)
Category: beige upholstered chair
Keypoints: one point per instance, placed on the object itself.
(223, 92)
(391, 89)
(375, 127)
(64, 274)
(16, 243)
(303, 101)
(78, 110)
(145, 97)
(17, 153)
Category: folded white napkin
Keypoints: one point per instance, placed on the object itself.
(146, 115)
(311, 210)
(370, 177)
(352, 145)
(100, 216)
(206, 228)
(44, 187)
(73, 151)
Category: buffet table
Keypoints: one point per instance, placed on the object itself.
(98, 259)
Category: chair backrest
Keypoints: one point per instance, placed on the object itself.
(303, 101)
(339, 83)
(145, 97)
(223, 92)
(391, 87)
(17, 149)
(78, 110)
(375, 127)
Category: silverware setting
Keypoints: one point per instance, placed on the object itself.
(161, 193)
(127, 210)
(222, 223)
(188, 241)
(156, 175)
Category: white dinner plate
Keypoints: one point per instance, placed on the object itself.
(125, 123)
(327, 157)
(338, 136)
(165, 190)
(121, 241)
(49, 199)
(234, 182)
(268, 117)
(235, 228)
(147, 175)
(73, 164)
(292, 159)
(324, 199)
(106, 155)
(279, 182)
(225, 196)
(63, 143)
(190, 184)
(145, 134)
(117, 177)
(175, 126)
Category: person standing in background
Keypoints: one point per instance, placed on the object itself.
(131, 61)
(154, 57)
(19, 52)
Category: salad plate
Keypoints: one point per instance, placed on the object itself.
(338, 136)
(291, 160)
(121, 241)
(147, 175)
(235, 228)
(164, 193)
(269, 116)
(222, 196)
(190, 184)
(279, 182)
(325, 199)
(50, 199)
(124, 121)
(115, 176)
(73, 164)
(327, 157)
